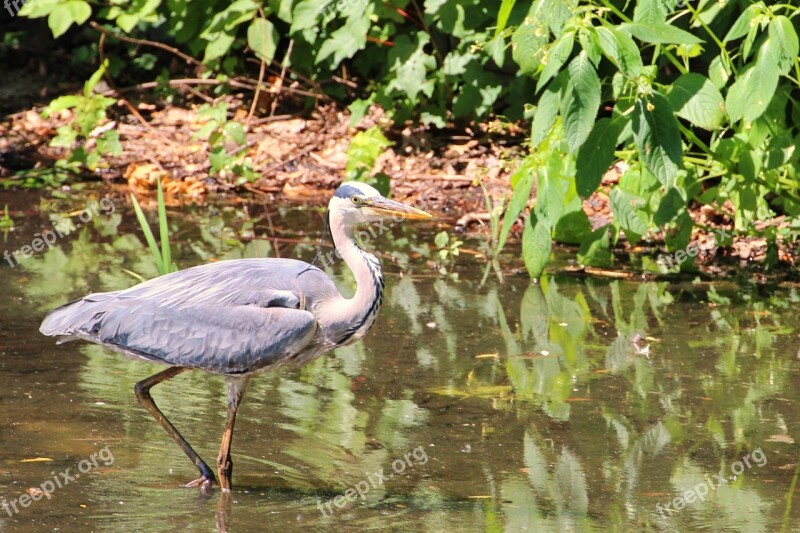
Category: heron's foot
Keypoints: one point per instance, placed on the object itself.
(204, 482)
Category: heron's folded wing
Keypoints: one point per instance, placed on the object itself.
(228, 340)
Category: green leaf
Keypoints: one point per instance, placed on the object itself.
(477, 93)
(581, 102)
(218, 46)
(590, 43)
(40, 8)
(659, 33)
(557, 55)
(621, 50)
(670, 207)
(65, 138)
(148, 235)
(596, 155)
(523, 178)
(364, 149)
(784, 45)
(127, 22)
(64, 14)
(306, 14)
(536, 245)
(628, 210)
(262, 38)
(743, 23)
(719, 72)
(91, 83)
(502, 15)
(359, 108)
(79, 11)
(572, 227)
(62, 102)
(410, 63)
(166, 254)
(432, 7)
(650, 11)
(658, 138)
(59, 20)
(528, 45)
(236, 132)
(347, 40)
(455, 63)
(555, 187)
(547, 110)
(595, 249)
(108, 143)
(441, 239)
(694, 98)
(751, 93)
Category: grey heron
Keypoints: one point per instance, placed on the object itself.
(239, 317)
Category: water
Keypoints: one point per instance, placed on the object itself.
(574, 405)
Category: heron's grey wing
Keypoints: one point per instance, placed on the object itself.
(231, 316)
(218, 339)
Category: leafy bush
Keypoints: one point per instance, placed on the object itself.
(645, 84)
(218, 130)
(426, 62)
(362, 153)
(89, 113)
(699, 99)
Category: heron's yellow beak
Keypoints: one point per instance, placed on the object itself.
(389, 208)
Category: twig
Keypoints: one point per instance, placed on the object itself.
(101, 48)
(170, 49)
(257, 93)
(343, 81)
(443, 177)
(273, 118)
(282, 77)
(200, 81)
(303, 78)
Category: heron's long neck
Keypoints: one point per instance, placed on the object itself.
(359, 312)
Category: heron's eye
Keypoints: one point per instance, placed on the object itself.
(356, 199)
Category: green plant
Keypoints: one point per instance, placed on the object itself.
(498, 233)
(698, 99)
(429, 61)
(161, 257)
(219, 131)
(643, 82)
(364, 149)
(448, 246)
(89, 112)
(6, 222)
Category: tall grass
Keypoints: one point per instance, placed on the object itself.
(161, 256)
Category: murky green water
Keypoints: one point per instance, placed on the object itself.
(503, 407)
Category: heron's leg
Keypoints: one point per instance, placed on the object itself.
(236, 386)
(142, 390)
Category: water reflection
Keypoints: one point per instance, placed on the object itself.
(535, 404)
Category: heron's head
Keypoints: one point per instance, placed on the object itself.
(358, 202)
